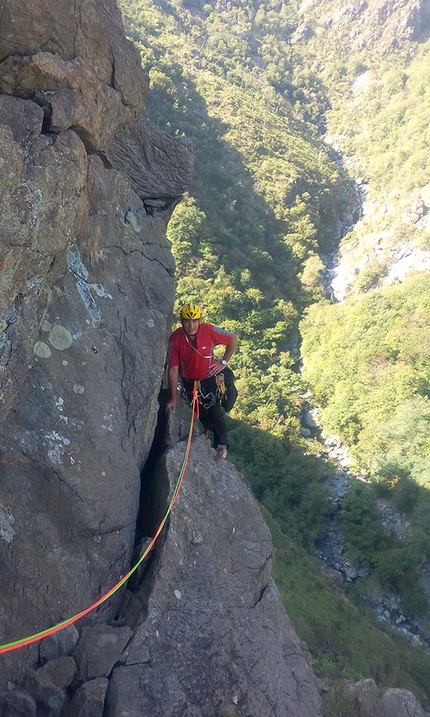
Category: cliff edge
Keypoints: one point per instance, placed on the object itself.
(86, 293)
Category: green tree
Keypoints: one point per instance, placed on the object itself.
(361, 524)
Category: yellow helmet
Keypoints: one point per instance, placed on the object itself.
(191, 311)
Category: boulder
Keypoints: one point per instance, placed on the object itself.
(214, 635)
(401, 703)
(89, 699)
(366, 699)
(99, 649)
(17, 703)
(48, 684)
(393, 703)
(151, 159)
(60, 644)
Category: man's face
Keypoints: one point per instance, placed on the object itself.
(191, 326)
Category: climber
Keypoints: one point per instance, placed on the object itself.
(190, 356)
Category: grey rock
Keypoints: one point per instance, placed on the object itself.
(392, 521)
(17, 703)
(99, 649)
(48, 684)
(70, 94)
(303, 33)
(215, 632)
(366, 699)
(401, 703)
(24, 118)
(91, 30)
(60, 644)
(335, 577)
(43, 187)
(87, 324)
(86, 294)
(157, 164)
(89, 699)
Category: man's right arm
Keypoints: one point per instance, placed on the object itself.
(172, 377)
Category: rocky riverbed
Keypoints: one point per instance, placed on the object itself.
(342, 266)
(331, 550)
(377, 252)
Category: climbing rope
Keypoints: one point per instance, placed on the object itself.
(65, 623)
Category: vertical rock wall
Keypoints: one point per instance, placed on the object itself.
(87, 186)
(86, 292)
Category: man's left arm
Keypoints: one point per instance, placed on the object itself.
(218, 366)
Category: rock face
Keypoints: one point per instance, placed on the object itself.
(216, 639)
(201, 632)
(207, 633)
(87, 31)
(380, 25)
(393, 703)
(86, 293)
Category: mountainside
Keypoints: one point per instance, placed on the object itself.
(380, 118)
(314, 116)
(88, 185)
(291, 115)
(376, 75)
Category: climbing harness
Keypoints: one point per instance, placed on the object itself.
(65, 623)
(207, 399)
(219, 386)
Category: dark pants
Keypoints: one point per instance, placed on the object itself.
(211, 414)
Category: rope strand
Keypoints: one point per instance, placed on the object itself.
(8, 647)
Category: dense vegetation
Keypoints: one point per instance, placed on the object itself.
(253, 85)
(265, 195)
(343, 640)
(367, 359)
(374, 61)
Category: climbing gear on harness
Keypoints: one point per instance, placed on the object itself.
(207, 398)
(220, 385)
(227, 391)
(191, 311)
